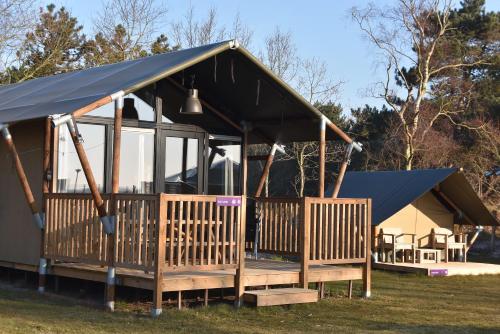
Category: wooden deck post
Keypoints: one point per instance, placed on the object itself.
(343, 168)
(160, 249)
(367, 267)
(305, 242)
(322, 152)
(266, 170)
(239, 284)
(42, 275)
(115, 187)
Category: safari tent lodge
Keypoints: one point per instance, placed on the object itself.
(135, 174)
(420, 218)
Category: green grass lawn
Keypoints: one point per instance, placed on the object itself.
(400, 303)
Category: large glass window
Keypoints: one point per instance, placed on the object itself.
(70, 177)
(137, 161)
(181, 165)
(224, 161)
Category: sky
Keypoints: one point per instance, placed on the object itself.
(320, 28)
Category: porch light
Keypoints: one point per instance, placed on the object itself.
(192, 105)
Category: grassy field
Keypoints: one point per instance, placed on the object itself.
(400, 303)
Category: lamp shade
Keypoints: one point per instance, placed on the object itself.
(192, 105)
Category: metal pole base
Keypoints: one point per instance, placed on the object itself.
(42, 274)
(156, 312)
(238, 303)
(110, 306)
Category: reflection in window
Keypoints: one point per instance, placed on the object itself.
(134, 108)
(181, 165)
(137, 161)
(224, 161)
(70, 177)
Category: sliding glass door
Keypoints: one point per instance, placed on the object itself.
(183, 162)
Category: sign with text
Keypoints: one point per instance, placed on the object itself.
(439, 272)
(228, 201)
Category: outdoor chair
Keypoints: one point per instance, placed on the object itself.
(443, 238)
(393, 240)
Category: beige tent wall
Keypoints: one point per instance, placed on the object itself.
(420, 217)
(19, 236)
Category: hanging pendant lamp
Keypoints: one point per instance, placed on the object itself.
(192, 105)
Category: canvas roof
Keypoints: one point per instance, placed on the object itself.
(391, 191)
(226, 74)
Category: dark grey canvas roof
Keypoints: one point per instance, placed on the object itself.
(65, 93)
(391, 191)
(227, 76)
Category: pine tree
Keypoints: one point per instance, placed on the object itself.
(54, 46)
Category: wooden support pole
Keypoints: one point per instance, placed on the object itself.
(321, 286)
(305, 242)
(117, 142)
(367, 267)
(265, 172)
(349, 289)
(340, 133)
(239, 284)
(42, 275)
(87, 169)
(115, 187)
(322, 158)
(342, 171)
(160, 249)
(179, 300)
(205, 299)
(23, 179)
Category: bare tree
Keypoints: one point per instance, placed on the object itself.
(191, 32)
(311, 79)
(17, 17)
(280, 54)
(412, 39)
(314, 82)
(136, 21)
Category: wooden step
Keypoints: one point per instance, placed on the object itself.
(283, 296)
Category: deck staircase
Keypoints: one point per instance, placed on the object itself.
(281, 296)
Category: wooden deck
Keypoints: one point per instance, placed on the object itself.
(442, 269)
(257, 273)
(175, 243)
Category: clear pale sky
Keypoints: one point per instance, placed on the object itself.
(320, 28)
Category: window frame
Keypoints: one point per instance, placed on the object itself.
(162, 130)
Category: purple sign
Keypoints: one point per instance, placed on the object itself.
(439, 272)
(228, 201)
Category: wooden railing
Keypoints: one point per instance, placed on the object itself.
(279, 229)
(199, 233)
(136, 223)
(73, 231)
(337, 230)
